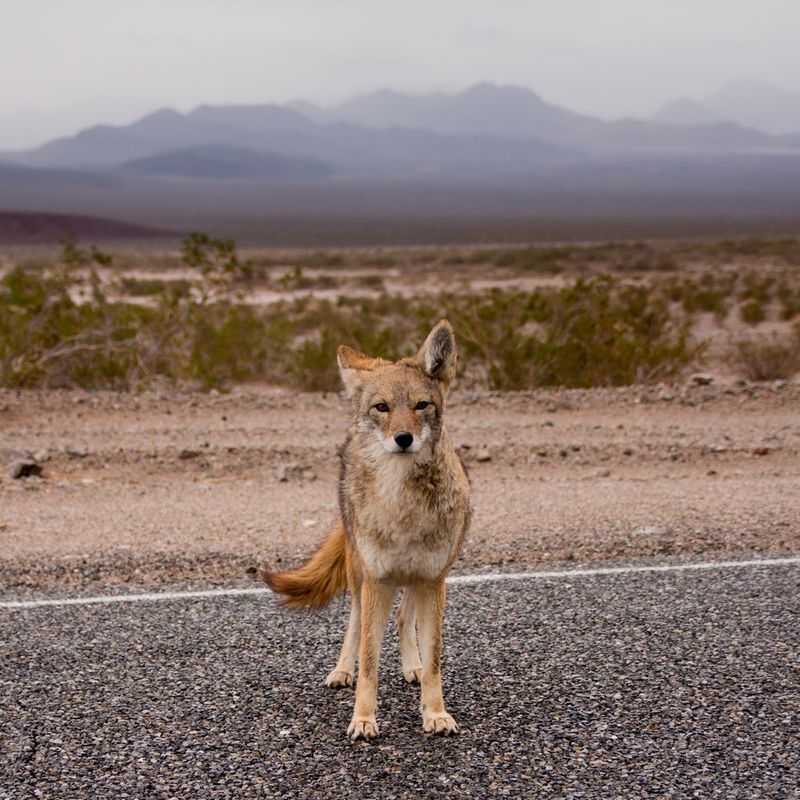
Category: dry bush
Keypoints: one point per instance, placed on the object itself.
(596, 332)
(768, 359)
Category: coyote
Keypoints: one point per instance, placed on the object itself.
(404, 509)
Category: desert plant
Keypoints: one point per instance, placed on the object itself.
(768, 358)
(151, 287)
(223, 274)
(752, 311)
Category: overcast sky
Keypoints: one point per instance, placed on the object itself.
(67, 64)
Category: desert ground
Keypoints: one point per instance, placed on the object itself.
(164, 482)
(164, 486)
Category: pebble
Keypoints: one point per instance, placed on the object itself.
(77, 452)
(665, 395)
(702, 379)
(291, 470)
(24, 468)
(483, 455)
(186, 454)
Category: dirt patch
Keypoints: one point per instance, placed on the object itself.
(164, 486)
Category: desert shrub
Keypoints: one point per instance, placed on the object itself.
(766, 359)
(149, 287)
(296, 279)
(313, 364)
(784, 249)
(223, 275)
(752, 311)
(709, 294)
(57, 328)
(593, 333)
(47, 337)
(756, 287)
(379, 261)
(370, 282)
(228, 344)
(533, 259)
(789, 297)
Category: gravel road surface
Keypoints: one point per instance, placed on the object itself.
(674, 684)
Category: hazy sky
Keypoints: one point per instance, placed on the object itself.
(66, 64)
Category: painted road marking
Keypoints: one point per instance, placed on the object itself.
(453, 580)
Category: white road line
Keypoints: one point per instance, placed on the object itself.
(453, 580)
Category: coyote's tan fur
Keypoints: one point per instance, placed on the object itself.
(404, 510)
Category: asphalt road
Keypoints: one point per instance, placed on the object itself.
(668, 685)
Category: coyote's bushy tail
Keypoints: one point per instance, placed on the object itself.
(319, 580)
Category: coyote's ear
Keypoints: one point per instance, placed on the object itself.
(438, 352)
(351, 365)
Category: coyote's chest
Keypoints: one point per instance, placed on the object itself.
(405, 528)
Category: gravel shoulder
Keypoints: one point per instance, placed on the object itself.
(162, 487)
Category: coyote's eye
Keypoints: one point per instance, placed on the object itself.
(422, 404)
(382, 407)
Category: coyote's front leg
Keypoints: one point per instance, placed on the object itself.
(429, 603)
(376, 603)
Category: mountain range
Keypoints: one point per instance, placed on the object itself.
(484, 128)
(486, 150)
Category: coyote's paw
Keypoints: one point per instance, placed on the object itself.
(413, 675)
(439, 722)
(362, 728)
(339, 679)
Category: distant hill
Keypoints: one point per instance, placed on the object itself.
(757, 105)
(483, 109)
(24, 227)
(749, 104)
(685, 111)
(166, 129)
(516, 113)
(222, 161)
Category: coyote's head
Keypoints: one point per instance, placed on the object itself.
(399, 405)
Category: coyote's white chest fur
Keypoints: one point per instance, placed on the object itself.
(404, 532)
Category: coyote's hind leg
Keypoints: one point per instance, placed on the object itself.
(342, 674)
(407, 628)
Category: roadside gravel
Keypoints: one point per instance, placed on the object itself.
(162, 487)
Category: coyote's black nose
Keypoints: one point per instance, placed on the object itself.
(403, 439)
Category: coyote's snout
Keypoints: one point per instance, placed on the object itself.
(404, 510)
